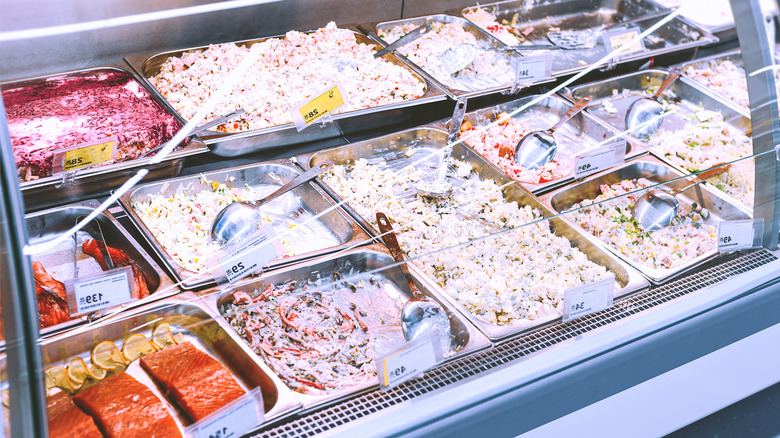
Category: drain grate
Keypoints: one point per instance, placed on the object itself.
(328, 418)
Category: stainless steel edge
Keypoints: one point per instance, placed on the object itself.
(476, 340)
(705, 195)
(191, 280)
(236, 144)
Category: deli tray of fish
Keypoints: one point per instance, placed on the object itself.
(506, 282)
(320, 325)
(661, 255)
(81, 256)
(490, 72)
(175, 217)
(290, 70)
(49, 115)
(702, 131)
(159, 368)
(497, 144)
(524, 22)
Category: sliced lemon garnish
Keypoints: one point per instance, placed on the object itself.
(57, 377)
(78, 370)
(162, 336)
(136, 346)
(106, 355)
(6, 397)
(97, 373)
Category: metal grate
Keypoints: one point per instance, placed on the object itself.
(330, 417)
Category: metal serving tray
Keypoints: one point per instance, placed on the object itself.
(674, 37)
(487, 40)
(383, 300)
(307, 197)
(47, 224)
(692, 96)
(576, 136)
(196, 325)
(48, 191)
(350, 122)
(394, 150)
(656, 171)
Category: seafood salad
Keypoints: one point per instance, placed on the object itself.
(685, 239)
(288, 71)
(725, 77)
(316, 344)
(488, 69)
(507, 279)
(487, 21)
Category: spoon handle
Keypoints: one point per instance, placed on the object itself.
(201, 128)
(670, 78)
(386, 229)
(698, 179)
(298, 180)
(408, 38)
(524, 47)
(573, 111)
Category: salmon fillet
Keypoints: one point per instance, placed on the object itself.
(198, 383)
(124, 407)
(119, 259)
(67, 421)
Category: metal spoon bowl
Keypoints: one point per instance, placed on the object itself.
(440, 188)
(538, 148)
(419, 315)
(645, 108)
(657, 208)
(240, 219)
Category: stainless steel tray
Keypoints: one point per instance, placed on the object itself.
(197, 325)
(47, 191)
(734, 56)
(382, 298)
(373, 30)
(576, 136)
(692, 96)
(676, 36)
(307, 197)
(394, 148)
(657, 172)
(234, 144)
(45, 225)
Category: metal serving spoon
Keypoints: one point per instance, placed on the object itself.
(406, 39)
(538, 148)
(201, 128)
(459, 56)
(588, 38)
(645, 108)
(439, 188)
(420, 315)
(657, 207)
(241, 219)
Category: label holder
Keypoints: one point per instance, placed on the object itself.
(409, 361)
(68, 161)
(99, 291)
(232, 420)
(589, 298)
(244, 258)
(599, 159)
(614, 39)
(740, 234)
(319, 107)
(531, 69)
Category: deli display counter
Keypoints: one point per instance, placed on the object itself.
(541, 218)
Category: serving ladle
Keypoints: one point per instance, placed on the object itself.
(241, 219)
(656, 208)
(538, 148)
(419, 315)
(645, 108)
(440, 188)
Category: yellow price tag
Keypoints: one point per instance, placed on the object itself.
(85, 155)
(321, 105)
(619, 40)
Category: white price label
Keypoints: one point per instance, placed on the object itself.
(531, 69)
(741, 234)
(599, 159)
(410, 361)
(618, 38)
(100, 291)
(247, 258)
(589, 298)
(233, 420)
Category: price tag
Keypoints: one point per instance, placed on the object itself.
(319, 106)
(244, 258)
(616, 39)
(529, 69)
(589, 298)
(741, 234)
(599, 159)
(84, 155)
(233, 420)
(409, 361)
(100, 291)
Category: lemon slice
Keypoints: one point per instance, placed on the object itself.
(106, 355)
(97, 373)
(78, 370)
(136, 346)
(57, 377)
(162, 336)
(6, 397)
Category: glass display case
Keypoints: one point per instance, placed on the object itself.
(531, 217)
